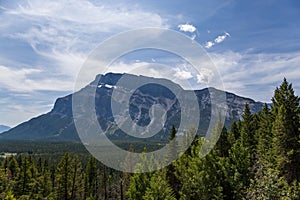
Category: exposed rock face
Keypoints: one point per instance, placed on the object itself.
(58, 123)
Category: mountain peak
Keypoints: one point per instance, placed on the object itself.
(111, 79)
(58, 124)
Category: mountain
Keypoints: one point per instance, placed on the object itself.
(58, 124)
(4, 128)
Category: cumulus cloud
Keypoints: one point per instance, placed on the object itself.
(209, 44)
(217, 40)
(187, 28)
(221, 38)
(182, 74)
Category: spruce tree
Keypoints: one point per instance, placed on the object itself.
(159, 188)
(140, 181)
(247, 130)
(234, 133)
(91, 178)
(64, 178)
(286, 132)
(241, 157)
(199, 175)
(223, 145)
(171, 156)
(77, 176)
(265, 136)
(24, 179)
(13, 168)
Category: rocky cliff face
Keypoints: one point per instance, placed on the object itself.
(58, 124)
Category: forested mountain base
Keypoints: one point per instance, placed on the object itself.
(258, 158)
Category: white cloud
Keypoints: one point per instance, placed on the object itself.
(209, 44)
(256, 75)
(64, 32)
(217, 40)
(187, 28)
(204, 76)
(83, 12)
(182, 74)
(221, 38)
(20, 80)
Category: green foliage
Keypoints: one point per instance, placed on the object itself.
(10, 196)
(223, 145)
(173, 146)
(159, 188)
(199, 177)
(265, 137)
(140, 181)
(234, 133)
(239, 168)
(286, 132)
(172, 154)
(90, 178)
(69, 178)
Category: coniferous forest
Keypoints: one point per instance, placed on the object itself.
(257, 158)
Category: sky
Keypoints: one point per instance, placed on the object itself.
(43, 44)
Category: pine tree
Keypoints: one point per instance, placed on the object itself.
(3, 180)
(199, 176)
(45, 180)
(42, 183)
(264, 184)
(128, 164)
(140, 181)
(247, 130)
(234, 133)
(13, 168)
(223, 145)
(52, 176)
(241, 157)
(64, 178)
(265, 136)
(172, 154)
(239, 166)
(91, 178)
(187, 140)
(221, 152)
(77, 184)
(286, 133)
(159, 188)
(24, 179)
(172, 150)
(285, 147)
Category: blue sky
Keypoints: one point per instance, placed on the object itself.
(43, 44)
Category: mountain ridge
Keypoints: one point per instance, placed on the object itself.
(4, 128)
(58, 124)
